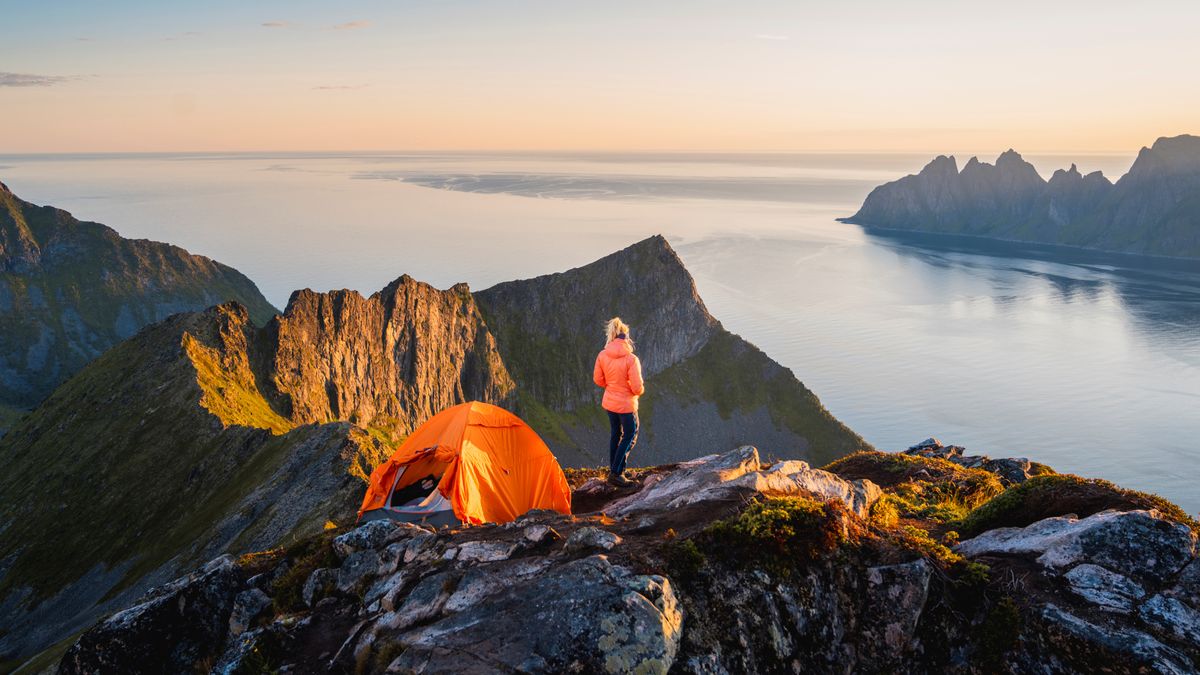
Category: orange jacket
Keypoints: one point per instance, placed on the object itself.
(619, 371)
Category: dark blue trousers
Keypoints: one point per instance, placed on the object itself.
(624, 427)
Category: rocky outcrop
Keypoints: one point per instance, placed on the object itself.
(708, 389)
(70, 289)
(1010, 470)
(613, 592)
(1153, 209)
(1127, 570)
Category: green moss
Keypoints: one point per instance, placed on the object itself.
(304, 558)
(779, 533)
(684, 560)
(1059, 494)
(922, 487)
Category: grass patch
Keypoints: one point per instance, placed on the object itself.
(779, 532)
(1052, 495)
(9, 416)
(927, 488)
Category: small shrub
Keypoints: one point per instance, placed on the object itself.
(925, 487)
(780, 532)
(684, 560)
(916, 539)
(1052, 495)
(885, 513)
(999, 633)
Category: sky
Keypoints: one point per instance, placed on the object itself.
(745, 75)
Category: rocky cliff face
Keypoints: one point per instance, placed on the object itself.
(706, 387)
(391, 361)
(1153, 209)
(69, 290)
(723, 564)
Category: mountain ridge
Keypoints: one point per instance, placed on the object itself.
(70, 289)
(254, 435)
(1154, 209)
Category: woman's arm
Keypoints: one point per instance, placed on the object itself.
(636, 386)
(598, 374)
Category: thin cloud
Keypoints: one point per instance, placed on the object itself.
(771, 36)
(352, 25)
(340, 87)
(277, 24)
(30, 80)
(182, 36)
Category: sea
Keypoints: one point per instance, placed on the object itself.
(1085, 361)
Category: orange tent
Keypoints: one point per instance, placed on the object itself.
(487, 464)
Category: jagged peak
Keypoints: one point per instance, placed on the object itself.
(1071, 175)
(4, 189)
(941, 164)
(1010, 156)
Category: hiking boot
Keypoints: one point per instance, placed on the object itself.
(619, 480)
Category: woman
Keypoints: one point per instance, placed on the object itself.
(619, 372)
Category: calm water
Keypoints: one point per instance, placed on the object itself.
(1088, 362)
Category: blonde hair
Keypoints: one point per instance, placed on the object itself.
(614, 327)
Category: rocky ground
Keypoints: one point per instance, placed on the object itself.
(723, 564)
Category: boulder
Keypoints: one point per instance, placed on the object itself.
(1111, 648)
(1173, 617)
(481, 582)
(247, 606)
(796, 477)
(425, 602)
(584, 616)
(1108, 590)
(357, 567)
(732, 475)
(486, 551)
(896, 597)
(1187, 586)
(537, 533)
(591, 538)
(169, 630)
(1142, 545)
(704, 479)
(1010, 469)
(320, 584)
(373, 535)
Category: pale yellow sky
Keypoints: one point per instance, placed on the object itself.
(695, 75)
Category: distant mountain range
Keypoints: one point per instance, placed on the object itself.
(206, 432)
(1154, 209)
(71, 289)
